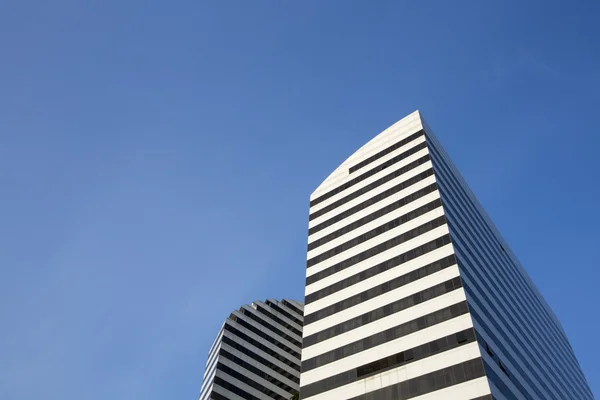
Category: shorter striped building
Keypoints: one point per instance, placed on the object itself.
(256, 354)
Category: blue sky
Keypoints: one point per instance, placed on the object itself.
(156, 160)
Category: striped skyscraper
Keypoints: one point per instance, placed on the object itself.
(411, 292)
(256, 355)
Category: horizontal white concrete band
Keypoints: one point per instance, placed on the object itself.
(538, 325)
(266, 331)
(495, 231)
(373, 224)
(228, 395)
(239, 384)
(463, 391)
(496, 393)
(400, 130)
(279, 315)
(214, 356)
(381, 257)
(377, 302)
(206, 387)
(210, 367)
(272, 322)
(509, 324)
(266, 344)
(515, 374)
(490, 224)
(403, 373)
(251, 375)
(560, 361)
(523, 302)
(372, 208)
(215, 343)
(262, 354)
(261, 366)
(390, 321)
(300, 306)
(378, 175)
(373, 192)
(492, 364)
(369, 244)
(379, 279)
(418, 338)
(405, 127)
(507, 346)
(258, 339)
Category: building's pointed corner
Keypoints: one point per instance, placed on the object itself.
(410, 124)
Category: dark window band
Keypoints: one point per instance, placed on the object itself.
(375, 199)
(285, 313)
(382, 312)
(215, 344)
(486, 231)
(518, 366)
(380, 248)
(530, 339)
(250, 382)
(388, 286)
(373, 216)
(264, 335)
(233, 389)
(427, 383)
(563, 354)
(377, 269)
(211, 367)
(244, 350)
(257, 371)
(270, 327)
(394, 361)
(523, 362)
(532, 333)
(293, 307)
(388, 335)
(369, 173)
(217, 396)
(541, 322)
(492, 354)
(280, 321)
(396, 222)
(373, 185)
(500, 385)
(417, 353)
(385, 152)
(237, 333)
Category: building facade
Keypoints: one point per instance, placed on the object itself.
(411, 292)
(256, 355)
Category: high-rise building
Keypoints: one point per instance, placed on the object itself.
(256, 355)
(412, 292)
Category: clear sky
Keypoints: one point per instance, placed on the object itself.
(157, 157)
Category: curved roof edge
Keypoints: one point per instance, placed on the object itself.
(408, 125)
